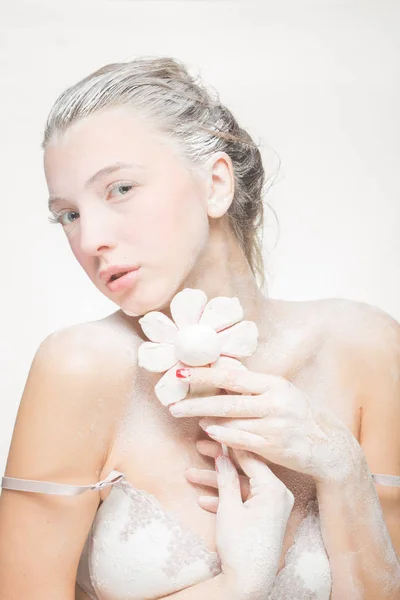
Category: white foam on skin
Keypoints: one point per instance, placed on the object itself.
(311, 567)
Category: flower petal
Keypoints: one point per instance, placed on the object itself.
(187, 306)
(158, 327)
(226, 362)
(156, 357)
(239, 340)
(222, 312)
(170, 388)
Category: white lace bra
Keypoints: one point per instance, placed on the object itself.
(136, 550)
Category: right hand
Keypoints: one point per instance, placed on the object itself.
(249, 535)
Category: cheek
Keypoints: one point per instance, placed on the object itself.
(80, 256)
(86, 263)
(174, 224)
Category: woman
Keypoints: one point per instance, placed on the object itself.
(319, 397)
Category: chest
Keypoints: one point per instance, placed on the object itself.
(154, 449)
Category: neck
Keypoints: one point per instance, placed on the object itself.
(223, 270)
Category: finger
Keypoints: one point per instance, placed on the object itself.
(223, 406)
(256, 469)
(212, 449)
(236, 380)
(209, 478)
(238, 439)
(230, 498)
(209, 503)
(264, 484)
(202, 477)
(268, 427)
(208, 448)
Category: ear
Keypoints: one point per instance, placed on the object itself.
(222, 184)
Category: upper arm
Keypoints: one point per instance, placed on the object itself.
(60, 435)
(378, 368)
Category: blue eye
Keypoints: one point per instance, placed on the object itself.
(121, 186)
(57, 218)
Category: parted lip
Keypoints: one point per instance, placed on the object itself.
(106, 274)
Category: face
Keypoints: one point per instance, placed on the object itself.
(152, 214)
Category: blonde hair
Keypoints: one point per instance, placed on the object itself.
(192, 116)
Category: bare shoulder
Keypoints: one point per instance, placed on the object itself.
(361, 338)
(108, 340)
(360, 322)
(365, 340)
(74, 392)
(341, 321)
(104, 352)
(370, 334)
(334, 315)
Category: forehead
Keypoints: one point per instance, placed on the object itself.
(106, 137)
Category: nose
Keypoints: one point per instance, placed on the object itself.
(97, 232)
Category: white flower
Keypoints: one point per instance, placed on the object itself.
(201, 333)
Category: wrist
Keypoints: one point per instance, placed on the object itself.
(340, 460)
(354, 472)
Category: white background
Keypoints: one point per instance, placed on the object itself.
(317, 83)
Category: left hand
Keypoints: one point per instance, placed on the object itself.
(274, 419)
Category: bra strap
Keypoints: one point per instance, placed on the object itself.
(390, 480)
(60, 489)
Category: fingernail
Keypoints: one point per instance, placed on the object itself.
(214, 430)
(184, 373)
(176, 410)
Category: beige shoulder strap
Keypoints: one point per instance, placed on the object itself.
(60, 489)
(390, 480)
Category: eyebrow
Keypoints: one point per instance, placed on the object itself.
(104, 171)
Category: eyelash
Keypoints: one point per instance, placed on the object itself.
(56, 218)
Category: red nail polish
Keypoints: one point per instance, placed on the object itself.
(183, 373)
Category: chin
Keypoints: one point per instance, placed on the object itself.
(130, 313)
(157, 297)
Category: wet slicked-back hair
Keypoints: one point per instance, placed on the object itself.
(192, 116)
